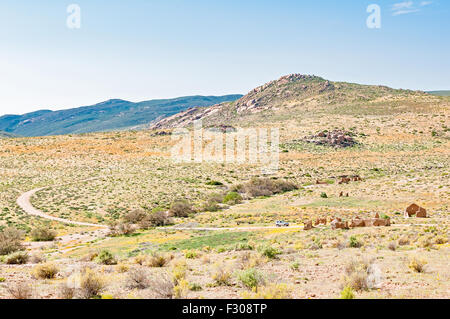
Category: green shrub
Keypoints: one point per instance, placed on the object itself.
(190, 254)
(324, 195)
(347, 293)
(269, 252)
(105, 257)
(195, 287)
(250, 278)
(232, 198)
(243, 246)
(295, 265)
(354, 242)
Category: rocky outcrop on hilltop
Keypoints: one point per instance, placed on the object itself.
(285, 87)
(292, 87)
(291, 96)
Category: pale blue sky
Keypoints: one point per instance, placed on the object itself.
(138, 50)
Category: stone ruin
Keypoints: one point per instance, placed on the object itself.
(337, 223)
(345, 179)
(336, 138)
(308, 225)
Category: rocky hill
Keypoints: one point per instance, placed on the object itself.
(296, 95)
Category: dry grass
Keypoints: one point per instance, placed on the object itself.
(45, 271)
(91, 284)
(417, 264)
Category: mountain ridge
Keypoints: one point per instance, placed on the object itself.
(112, 114)
(295, 95)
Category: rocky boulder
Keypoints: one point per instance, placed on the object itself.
(414, 209)
(336, 138)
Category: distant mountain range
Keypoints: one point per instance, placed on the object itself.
(106, 116)
(6, 135)
(440, 93)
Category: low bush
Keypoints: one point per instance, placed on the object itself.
(190, 254)
(181, 208)
(392, 246)
(135, 216)
(181, 289)
(91, 284)
(360, 275)
(232, 198)
(154, 219)
(121, 229)
(221, 275)
(195, 287)
(105, 257)
(20, 290)
(163, 286)
(45, 271)
(66, 292)
(404, 240)
(17, 258)
(354, 242)
(157, 260)
(179, 271)
(417, 264)
(243, 246)
(250, 278)
(137, 278)
(36, 258)
(10, 240)
(43, 234)
(269, 251)
(347, 293)
(295, 266)
(264, 187)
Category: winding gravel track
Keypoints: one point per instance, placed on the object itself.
(24, 202)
